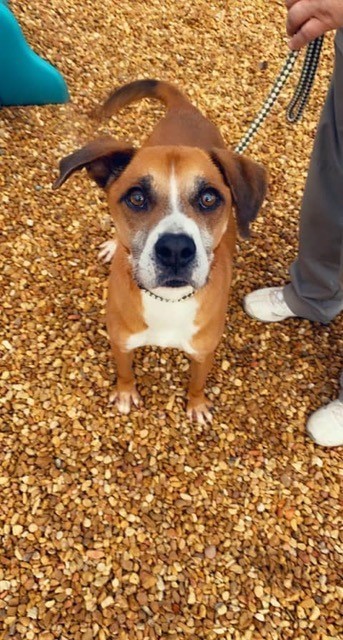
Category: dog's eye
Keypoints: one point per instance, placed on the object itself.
(209, 199)
(136, 199)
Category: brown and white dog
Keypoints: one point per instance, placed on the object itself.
(171, 202)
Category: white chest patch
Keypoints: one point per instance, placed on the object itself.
(169, 324)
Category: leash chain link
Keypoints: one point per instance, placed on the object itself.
(301, 95)
(308, 72)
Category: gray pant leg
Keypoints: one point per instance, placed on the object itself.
(341, 389)
(316, 288)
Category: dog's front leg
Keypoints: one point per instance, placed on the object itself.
(198, 407)
(124, 393)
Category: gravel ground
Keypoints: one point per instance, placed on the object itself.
(147, 526)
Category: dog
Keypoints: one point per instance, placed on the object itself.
(172, 203)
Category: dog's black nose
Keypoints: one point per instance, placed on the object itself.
(175, 250)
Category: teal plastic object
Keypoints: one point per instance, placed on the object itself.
(25, 79)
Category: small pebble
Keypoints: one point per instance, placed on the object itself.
(221, 609)
(17, 530)
(211, 552)
(259, 591)
(259, 616)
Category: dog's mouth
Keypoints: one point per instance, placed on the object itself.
(176, 282)
(168, 282)
(152, 278)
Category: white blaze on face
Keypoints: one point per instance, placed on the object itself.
(173, 193)
(175, 221)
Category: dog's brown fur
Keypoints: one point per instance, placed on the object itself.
(185, 142)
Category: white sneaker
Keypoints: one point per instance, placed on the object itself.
(325, 426)
(267, 305)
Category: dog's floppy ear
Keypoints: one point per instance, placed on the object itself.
(247, 181)
(104, 158)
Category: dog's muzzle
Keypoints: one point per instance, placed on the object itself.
(175, 254)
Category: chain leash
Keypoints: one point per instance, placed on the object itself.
(301, 94)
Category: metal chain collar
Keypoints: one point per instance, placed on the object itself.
(161, 299)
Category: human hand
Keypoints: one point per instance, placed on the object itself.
(309, 19)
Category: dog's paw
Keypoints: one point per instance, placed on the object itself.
(124, 400)
(107, 250)
(199, 411)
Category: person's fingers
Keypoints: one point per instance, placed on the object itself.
(301, 12)
(312, 29)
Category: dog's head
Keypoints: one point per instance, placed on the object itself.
(171, 205)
